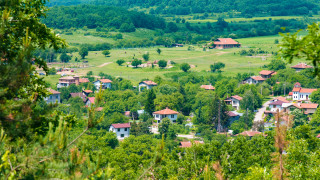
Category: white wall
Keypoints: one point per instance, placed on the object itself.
(120, 131)
(53, 98)
(172, 117)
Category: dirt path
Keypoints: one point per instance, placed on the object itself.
(104, 64)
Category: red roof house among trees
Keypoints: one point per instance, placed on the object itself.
(301, 66)
(223, 43)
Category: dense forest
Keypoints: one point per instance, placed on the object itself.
(101, 16)
(184, 7)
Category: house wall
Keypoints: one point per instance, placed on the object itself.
(272, 108)
(235, 103)
(53, 98)
(143, 86)
(295, 96)
(251, 81)
(120, 131)
(310, 111)
(159, 117)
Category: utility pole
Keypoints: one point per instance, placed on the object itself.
(284, 89)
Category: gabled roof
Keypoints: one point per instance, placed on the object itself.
(301, 66)
(232, 114)
(123, 125)
(105, 80)
(283, 99)
(277, 103)
(258, 78)
(297, 84)
(149, 83)
(207, 87)
(53, 91)
(84, 80)
(296, 89)
(306, 105)
(84, 97)
(87, 91)
(66, 78)
(91, 99)
(250, 133)
(225, 41)
(304, 90)
(290, 93)
(237, 97)
(266, 72)
(166, 111)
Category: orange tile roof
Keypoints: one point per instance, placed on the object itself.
(297, 84)
(123, 125)
(266, 72)
(105, 80)
(150, 83)
(304, 90)
(84, 80)
(250, 133)
(189, 144)
(237, 97)
(54, 91)
(225, 41)
(88, 91)
(290, 93)
(166, 112)
(296, 89)
(283, 99)
(258, 78)
(306, 105)
(301, 66)
(91, 99)
(207, 87)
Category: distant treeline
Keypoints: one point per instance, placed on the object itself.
(184, 7)
(62, 17)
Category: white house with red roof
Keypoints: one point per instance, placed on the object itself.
(301, 66)
(234, 101)
(54, 96)
(90, 101)
(267, 74)
(122, 130)
(207, 87)
(276, 105)
(301, 94)
(254, 80)
(146, 85)
(104, 83)
(166, 113)
(224, 43)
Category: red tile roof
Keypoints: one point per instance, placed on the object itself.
(67, 77)
(225, 41)
(87, 91)
(91, 99)
(318, 136)
(149, 83)
(304, 90)
(53, 91)
(250, 133)
(258, 78)
(297, 84)
(296, 89)
(290, 93)
(84, 97)
(189, 144)
(237, 97)
(301, 66)
(127, 113)
(266, 72)
(84, 80)
(207, 87)
(105, 80)
(123, 125)
(277, 103)
(232, 114)
(283, 99)
(306, 105)
(166, 112)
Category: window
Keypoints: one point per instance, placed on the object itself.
(173, 121)
(274, 106)
(122, 135)
(118, 129)
(56, 96)
(125, 129)
(172, 116)
(159, 121)
(50, 97)
(157, 116)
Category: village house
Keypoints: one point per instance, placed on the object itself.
(276, 105)
(81, 95)
(280, 98)
(54, 96)
(207, 87)
(234, 101)
(267, 74)
(166, 113)
(307, 108)
(301, 94)
(146, 84)
(254, 80)
(67, 81)
(301, 66)
(122, 130)
(224, 43)
(83, 80)
(250, 133)
(90, 101)
(104, 83)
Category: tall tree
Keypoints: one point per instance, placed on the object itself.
(83, 52)
(149, 106)
(219, 115)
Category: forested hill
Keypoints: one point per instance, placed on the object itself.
(94, 16)
(183, 7)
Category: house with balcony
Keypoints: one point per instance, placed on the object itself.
(254, 80)
(122, 130)
(67, 81)
(166, 113)
(301, 94)
(234, 101)
(301, 66)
